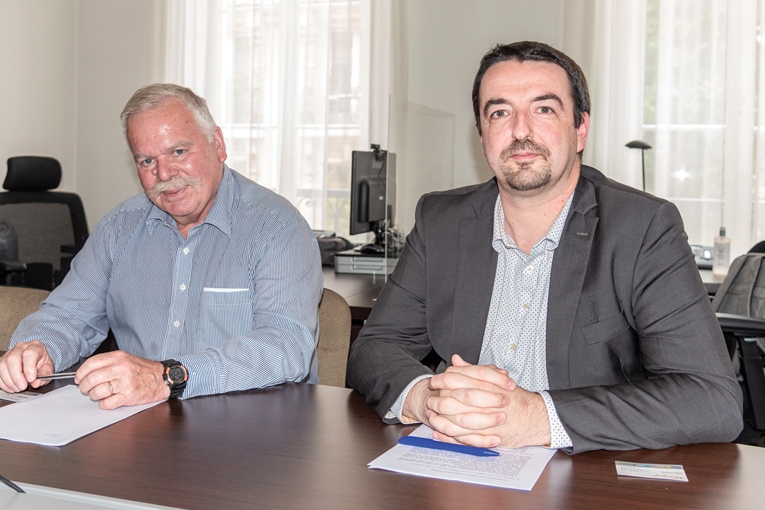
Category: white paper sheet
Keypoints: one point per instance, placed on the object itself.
(514, 468)
(59, 417)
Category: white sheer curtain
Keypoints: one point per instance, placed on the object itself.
(289, 83)
(388, 72)
(606, 39)
(700, 94)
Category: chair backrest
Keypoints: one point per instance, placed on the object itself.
(741, 296)
(334, 338)
(742, 292)
(15, 304)
(50, 226)
(758, 248)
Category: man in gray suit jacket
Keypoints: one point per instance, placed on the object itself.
(566, 309)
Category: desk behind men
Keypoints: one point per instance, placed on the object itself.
(711, 281)
(359, 290)
(304, 446)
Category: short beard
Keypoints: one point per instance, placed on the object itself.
(524, 176)
(171, 185)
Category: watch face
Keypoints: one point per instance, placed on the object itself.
(176, 374)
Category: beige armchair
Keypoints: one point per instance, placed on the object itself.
(15, 304)
(334, 338)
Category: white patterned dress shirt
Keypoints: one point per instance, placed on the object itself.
(516, 327)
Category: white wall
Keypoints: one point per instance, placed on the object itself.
(114, 59)
(38, 87)
(447, 39)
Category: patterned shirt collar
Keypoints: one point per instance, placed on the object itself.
(501, 239)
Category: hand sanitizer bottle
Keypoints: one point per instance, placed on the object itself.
(721, 254)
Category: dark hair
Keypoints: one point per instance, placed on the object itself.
(531, 50)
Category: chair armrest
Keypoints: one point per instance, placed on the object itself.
(748, 334)
(741, 325)
(9, 266)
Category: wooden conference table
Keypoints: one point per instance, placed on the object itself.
(304, 446)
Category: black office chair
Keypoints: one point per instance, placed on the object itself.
(758, 248)
(740, 308)
(48, 227)
(10, 265)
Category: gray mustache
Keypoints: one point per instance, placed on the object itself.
(171, 185)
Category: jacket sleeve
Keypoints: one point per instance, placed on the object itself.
(677, 384)
(387, 355)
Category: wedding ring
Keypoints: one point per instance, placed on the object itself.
(110, 387)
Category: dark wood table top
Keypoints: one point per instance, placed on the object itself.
(305, 446)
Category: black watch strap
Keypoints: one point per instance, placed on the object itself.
(175, 376)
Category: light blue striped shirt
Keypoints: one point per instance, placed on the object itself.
(236, 302)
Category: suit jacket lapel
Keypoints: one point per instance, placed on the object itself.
(566, 281)
(476, 266)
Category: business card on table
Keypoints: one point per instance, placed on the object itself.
(654, 471)
(18, 397)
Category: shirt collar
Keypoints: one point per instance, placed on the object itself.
(502, 239)
(218, 216)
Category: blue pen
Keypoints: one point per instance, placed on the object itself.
(424, 442)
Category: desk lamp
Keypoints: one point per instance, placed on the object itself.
(640, 144)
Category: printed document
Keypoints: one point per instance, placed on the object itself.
(59, 417)
(514, 468)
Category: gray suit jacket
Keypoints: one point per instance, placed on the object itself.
(635, 356)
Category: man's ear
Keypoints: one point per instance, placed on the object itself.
(220, 144)
(581, 132)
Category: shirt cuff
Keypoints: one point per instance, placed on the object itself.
(558, 436)
(398, 406)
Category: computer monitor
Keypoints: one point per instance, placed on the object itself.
(373, 192)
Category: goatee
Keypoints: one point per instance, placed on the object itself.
(528, 175)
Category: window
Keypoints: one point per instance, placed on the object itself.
(703, 114)
(686, 76)
(287, 82)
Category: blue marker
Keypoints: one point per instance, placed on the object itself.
(424, 442)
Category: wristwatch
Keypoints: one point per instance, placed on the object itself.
(175, 377)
